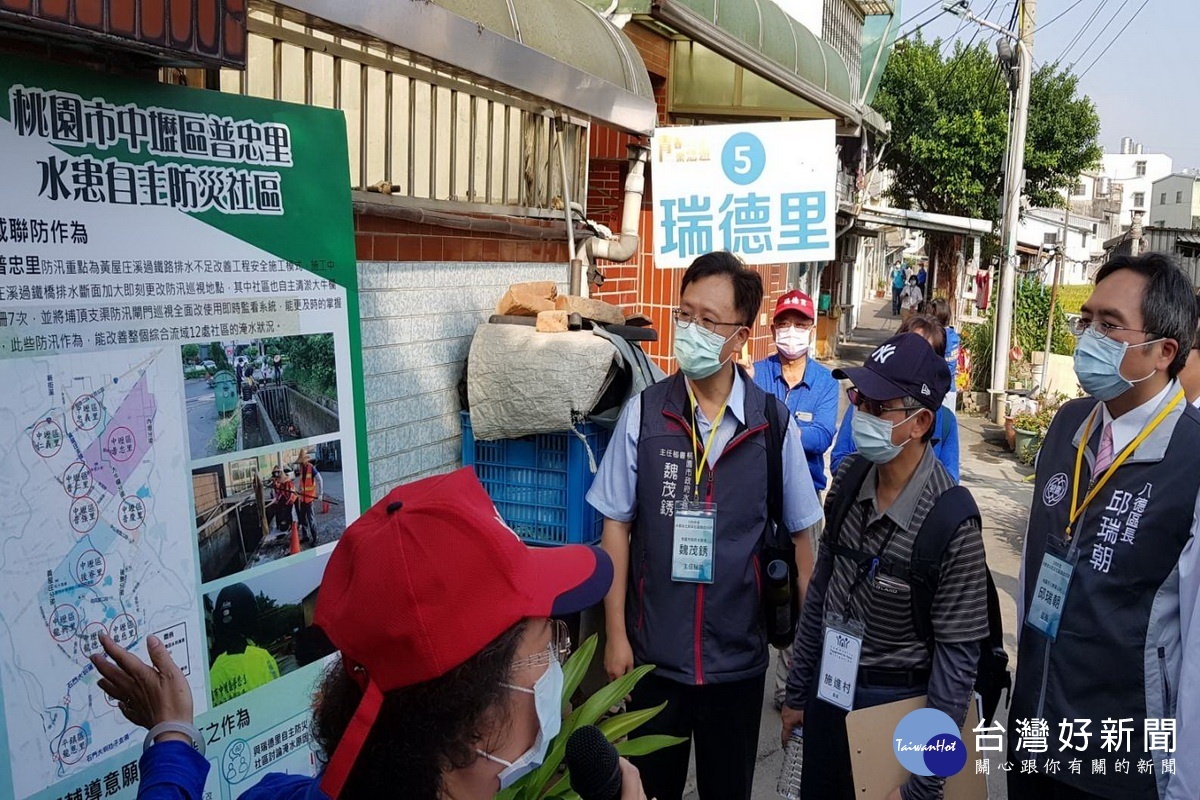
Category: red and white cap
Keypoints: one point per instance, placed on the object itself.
(425, 580)
(795, 300)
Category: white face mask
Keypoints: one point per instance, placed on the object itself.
(547, 700)
(793, 343)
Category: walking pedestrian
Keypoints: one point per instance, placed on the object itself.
(911, 298)
(865, 585)
(898, 281)
(684, 489)
(810, 392)
(1110, 573)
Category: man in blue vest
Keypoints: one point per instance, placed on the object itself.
(1108, 666)
(684, 491)
(810, 393)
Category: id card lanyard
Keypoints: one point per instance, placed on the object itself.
(694, 547)
(697, 458)
(1078, 508)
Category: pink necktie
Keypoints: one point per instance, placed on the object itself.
(1105, 456)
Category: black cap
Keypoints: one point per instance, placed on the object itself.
(903, 366)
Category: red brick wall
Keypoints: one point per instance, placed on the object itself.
(654, 48)
(386, 239)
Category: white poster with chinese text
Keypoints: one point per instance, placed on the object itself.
(179, 422)
(765, 191)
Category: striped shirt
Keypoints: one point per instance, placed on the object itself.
(959, 612)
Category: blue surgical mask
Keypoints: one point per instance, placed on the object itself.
(547, 700)
(1098, 365)
(698, 350)
(873, 436)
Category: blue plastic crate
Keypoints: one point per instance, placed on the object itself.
(539, 482)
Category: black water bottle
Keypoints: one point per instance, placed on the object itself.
(779, 607)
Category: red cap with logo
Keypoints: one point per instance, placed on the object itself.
(795, 300)
(424, 580)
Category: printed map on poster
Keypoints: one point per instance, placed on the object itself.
(93, 469)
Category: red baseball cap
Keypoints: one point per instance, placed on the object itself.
(424, 580)
(795, 300)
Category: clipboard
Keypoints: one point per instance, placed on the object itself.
(872, 752)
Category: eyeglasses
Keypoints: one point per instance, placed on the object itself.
(558, 649)
(874, 407)
(683, 319)
(1080, 326)
(806, 325)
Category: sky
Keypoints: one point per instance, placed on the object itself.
(1144, 86)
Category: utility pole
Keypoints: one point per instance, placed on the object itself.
(1014, 183)
(1058, 266)
(1012, 210)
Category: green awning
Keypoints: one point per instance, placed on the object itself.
(568, 31)
(878, 38)
(757, 35)
(560, 51)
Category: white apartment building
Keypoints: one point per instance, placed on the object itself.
(1040, 231)
(1175, 202)
(1136, 171)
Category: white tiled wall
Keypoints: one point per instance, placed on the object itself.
(417, 323)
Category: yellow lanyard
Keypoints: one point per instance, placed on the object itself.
(712, 434)
(1077, 510)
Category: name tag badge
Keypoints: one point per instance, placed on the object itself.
(695, 527)
(804, 416)
(1050, 595)
(840, 652)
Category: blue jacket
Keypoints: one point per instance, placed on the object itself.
(945, 441)
(813, 404)
(175, 771)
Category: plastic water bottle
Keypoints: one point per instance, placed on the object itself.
(793, 766)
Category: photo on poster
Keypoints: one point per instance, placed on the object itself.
(247, 507)
(249, 393)
(262, 628)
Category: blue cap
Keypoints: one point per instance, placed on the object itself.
(903, 366)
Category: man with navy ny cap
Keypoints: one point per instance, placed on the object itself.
(861, 585)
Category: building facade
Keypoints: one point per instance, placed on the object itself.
(1175, 201)
(1136, 172)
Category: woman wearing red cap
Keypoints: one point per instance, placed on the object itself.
(453, 694)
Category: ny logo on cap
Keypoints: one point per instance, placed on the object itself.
(884, 353)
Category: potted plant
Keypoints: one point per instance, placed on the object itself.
(879, 289)
(1027, 432)
(550, 781)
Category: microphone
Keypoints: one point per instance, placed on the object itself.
(593, 763)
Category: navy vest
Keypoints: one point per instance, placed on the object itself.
(1118, 651)
(699, 633)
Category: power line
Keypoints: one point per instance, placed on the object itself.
(1115, 38)
(1092, 43)
(916, 16)
(1079, 33)
(1052, 20)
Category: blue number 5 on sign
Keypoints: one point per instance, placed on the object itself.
(743, 158)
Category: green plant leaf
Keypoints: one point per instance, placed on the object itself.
(644, 745)
(577, 666)
(610, 695)
(618, 727)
